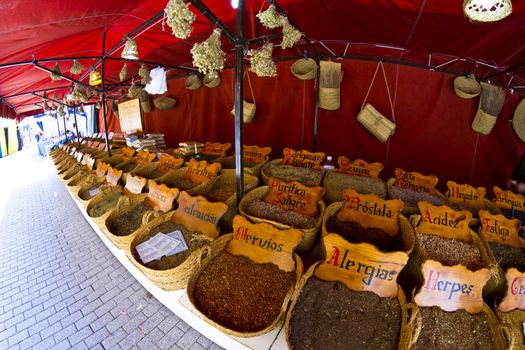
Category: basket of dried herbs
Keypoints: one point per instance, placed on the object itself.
(513, 322)
(104, 202)
(274, 168)
(176, 179)
(228, 165)
(335, 182)
(411, 197)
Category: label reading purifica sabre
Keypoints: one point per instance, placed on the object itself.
(499, 229)
(359, 167)
(413, 180)
(161, 197)
(294, 196)
(256, 154)
(508, 200)
(466, 195)
(445, 222)
(303, 158)
(515, 295)
(216, 149)
(200, 172)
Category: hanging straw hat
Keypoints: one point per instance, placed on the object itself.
(466, 86)
(193, 82)
(210, 81)
(518, 121)
(304, 68)
(164, 102)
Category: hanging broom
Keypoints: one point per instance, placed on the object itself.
(491, 101)
(330, 82)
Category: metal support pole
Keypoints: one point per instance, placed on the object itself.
(215, 21)
(76, 125)
(316, 110)
(103, 66)
(239, 72)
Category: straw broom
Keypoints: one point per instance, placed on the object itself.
(492, 99)
(331, 75)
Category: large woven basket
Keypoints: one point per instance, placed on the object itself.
(83, 192)
(164, 102)
(304, 69)
(311, 182)
(179, 174)
(194, 277)
(483, 123)
(466, 87)
(335, 183)
(329, 98)
(513, 327)
(518, 120)
(147, 171)
(228, 166)
(88, 181)
(407, 210)
(309, 235)
(101, 197)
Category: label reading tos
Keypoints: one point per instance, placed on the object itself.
(200, 172)
(134, 184)
(102, 169)
(294, 196)
(216, 149)
(127, 153)
(256, 154)
(515, 295)
(452, 288)
(303, 158)
(359, 167)
(415, 181)
(499, 229)
(369, 211)
(113, 175)
(168, 163)
(445, 222)
(264, 243)
(508, 199)
(161, 197)
(466, 195)
(197, 214)
(144, 157)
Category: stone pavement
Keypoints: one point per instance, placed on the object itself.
(60, 287)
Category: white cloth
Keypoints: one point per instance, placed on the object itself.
(158, 81)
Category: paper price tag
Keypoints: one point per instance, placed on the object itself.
(182, 245)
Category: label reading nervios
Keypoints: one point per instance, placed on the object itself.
(303, 158)
(256, 154)
(415, 181)
(134, 184)
(515, 295)
(200, 172)
(161, 197)
(508, 199)
(264, 243)
(445, 222)
(499, 229)
(369, 210)
(361, 267)
(359, 167)
(294, 196)
(452, 288)
(466, 195)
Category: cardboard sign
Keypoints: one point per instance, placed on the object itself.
(197, 214)
(161, 197)
(113, 175)
(144, 157)
(294, 196)
(466, 195)
(452, 288)
(369, 210)
(515, 295)
(359, 167)
(361, 267)
(415, 181)
(200, 172)
(134, 184)
(102, 169)
(256, 154)
(169, 163)
(445, 222)
(499, 229)
(127, 153)
(508, 199)
(303, 158)
(215, 149)
(264, 243)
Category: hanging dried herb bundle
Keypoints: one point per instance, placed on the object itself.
(76, 68)
(270, 18)
(60, 110)
(144, 74)
(55, 75)
(46, 107)
(179, 18)
(79, 94)
(123, 72)
(208, 56)
(55, 96)
(131, 49)
(291, 35)
(134, 90)
(45, 96)
(261, 61)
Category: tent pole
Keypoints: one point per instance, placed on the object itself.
(106, 137)
(76, 125)
(239, 72)
(316, 108)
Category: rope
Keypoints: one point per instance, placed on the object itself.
(387, 88)
(250, 84)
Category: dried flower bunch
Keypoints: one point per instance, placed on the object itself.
(123, 72)
(55, 75)
(144, 74)
(79, 94)
(208, 56)
(291, 35)
(76, 68)
(270, 18)
(179, 18)
(261, 61)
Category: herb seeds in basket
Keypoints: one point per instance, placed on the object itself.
(328, 315)
(451, 252)
(305, 176)
(362, 184)
(109, 202)
(179, 183)
(229, 163)
(90, 192)
(263, 210)
(240, 294)
(508, 256)
(411, 197)
(128, 222)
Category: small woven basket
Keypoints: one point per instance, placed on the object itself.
(228, 165)
(483, 123)
(163, 103)
(313, 181)
(304, 69)
(193, 82)
(330, 98)
(466, 86)
(211, 81)
(513, 328)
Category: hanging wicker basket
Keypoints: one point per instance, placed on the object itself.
(304, 69)
(193, 82)
(248, 111)
(518, 120)
(483, 123)
(466, 87)
(144, 101)
(210, 81)
(164, 102)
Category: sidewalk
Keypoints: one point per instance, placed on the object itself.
(60, 287)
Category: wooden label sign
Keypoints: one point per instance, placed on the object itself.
(113, 175)
(90, 162)
(215, 149)
(515, 295)
(102, 169)
(508, 199)
(256, 154)
(127, 153)
(452, 288)
(445, 222)
(200, 172)
(169, 163)
(90, 143)
(499, 229)
(359, 167)
(161, 197)
(466, 195)
(134, 184)
(294, 196)
(264, 243)
(303, 158)
(79, 156)
(197, 214)
(144, 157)
(102, 146)
(415, 181)
(369, 210)
(361, 267)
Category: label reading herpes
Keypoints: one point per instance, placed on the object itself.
(303, 158)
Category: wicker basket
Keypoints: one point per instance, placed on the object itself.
(330, 98)
(193, 82)
(248, 111)
(483, 123)
(513, 327)
(314, 181)
(179, 174)
(219, 248)
(211, 81)
(100, 197)
(226, 163)
(163, 103)
(335, 182)
(518, 120)
(309, 235)
(407, 210)
(304, 69)
(466, 87)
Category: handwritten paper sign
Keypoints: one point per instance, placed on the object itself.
(130, 116)
(102, 169)
(169, 163)
(303, 158)
(197, 214)
(264, 243)
(499, 229)
(127, 153)
(452, 288)
(466, 195)
(515, 295)
(200, 172)
(415, 181)
(113, 175)
(361, 267)
(508, 199)
(445, 222)
(144, 157)
(256, 154)
(216, 149)
(134, 184)
(369, 210)
(359, 167)
(294, 196)
(161, 197)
